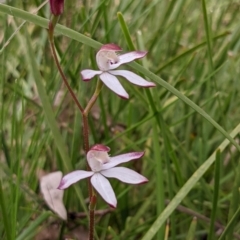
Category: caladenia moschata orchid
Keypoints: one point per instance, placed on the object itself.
(107, 60)
(100, 165)
(103, 167)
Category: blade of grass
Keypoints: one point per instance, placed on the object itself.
(234, 202)
(5, 214)
(159, 176)
(182, 193)
(167, 228)
(208, 35)
(125, 31)
(192, 230)
(215, 195)
(230, 224)
(30, 231)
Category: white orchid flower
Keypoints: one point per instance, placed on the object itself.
(107, 59)
(103, 167)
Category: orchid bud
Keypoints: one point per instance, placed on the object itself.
(56, 7)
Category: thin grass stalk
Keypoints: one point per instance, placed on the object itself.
(230, 224)
(215, 195)
(234, 205)
(192, 230)
(5, 214)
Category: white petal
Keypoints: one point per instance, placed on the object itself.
(133, 78)
(125, 175)
(88, 74)
(128, 57)
(52, 195)
(104, 188)
(114, 161)
(73, 177)
(112, 82)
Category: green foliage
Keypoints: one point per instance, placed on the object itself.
(193, 57)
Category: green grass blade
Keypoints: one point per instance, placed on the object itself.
(230, 224)
(234, 202)
(192, 230)
(125, 31)
(208, 34)
(182, 193)
(215, 195)
(31, 230)
(5, 213)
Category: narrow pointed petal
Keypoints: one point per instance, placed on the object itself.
(114, 161)
(104, 188)
(88, 74)
(73, 177)
(124, 175)
(112, 83)
(133, 78)
(128, 57)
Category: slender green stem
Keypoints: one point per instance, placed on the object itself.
(215, 195)
(51, 39)
(5, 217)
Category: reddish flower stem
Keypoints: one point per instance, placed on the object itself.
(92, 207)
(92, 195)
(51, 39)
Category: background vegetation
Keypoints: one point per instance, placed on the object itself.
(193, 57)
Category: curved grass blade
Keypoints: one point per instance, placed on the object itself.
(182, 193)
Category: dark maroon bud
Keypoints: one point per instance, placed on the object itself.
(57, 7)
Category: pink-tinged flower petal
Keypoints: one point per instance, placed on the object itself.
(88, 74)
(125, 175)
(110, 47)
(112, 82)
(73, 177)
(128, 57)
(104, 188)
(114, 161)
(133, 78)
(100, 147)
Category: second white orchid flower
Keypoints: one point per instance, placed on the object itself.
(107, 60)
(103, 167)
